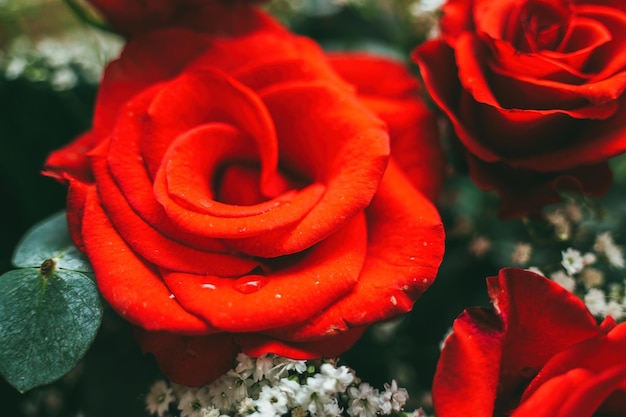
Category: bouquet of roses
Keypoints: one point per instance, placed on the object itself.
(244, 204)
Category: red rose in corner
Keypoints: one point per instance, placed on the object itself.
(534, 90)
(537, 353)
(235, 194)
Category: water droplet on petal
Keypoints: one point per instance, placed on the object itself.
(250, 284)
(209, 286)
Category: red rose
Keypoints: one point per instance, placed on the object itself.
(534, 90)
(537, 353)
(131, 17)
(237, 195)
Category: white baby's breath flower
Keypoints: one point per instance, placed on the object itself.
(595, 300)
(332, 409)
(272, 402)
(393, 398)
(342, 375)
(159, 398)
(592, 277)
(331, 380)
(246, 407)
(572, 261)
(364, 401)
(283, 365)
(245, 365)
(605, 245)
(615, 256)
(589, 258)
(560, 222)
(292, 389)
(614, 309)
(312, 400)
(418, 413)
(263, 368)
(210, 412)
(564, 280)
(479, 246)
(193, 401)
(228, 390)
(521, 253)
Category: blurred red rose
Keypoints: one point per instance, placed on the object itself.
(131, 17)
(534, 90)
(235, 194)
(537, 353)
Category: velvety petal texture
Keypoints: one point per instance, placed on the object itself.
(537, 352)
(534, 85)
(246, 193)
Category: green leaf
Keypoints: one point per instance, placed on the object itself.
(47, 323)
(50, 239)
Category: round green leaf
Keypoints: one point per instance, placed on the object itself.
(46, 324)
(50, 239)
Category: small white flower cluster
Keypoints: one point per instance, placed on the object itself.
(62, 61)
(601, 296)
(273, 386)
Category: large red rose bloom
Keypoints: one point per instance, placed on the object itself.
(238, 194)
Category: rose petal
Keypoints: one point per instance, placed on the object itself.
(132, 288)
(413, 128)
(339, 145)
(145, 61)
(596, 142)
(466, 380)
(438, 70)
(70, 162)
(585, 101)
(210, 95)
(190, 360)
(607, 60)
(534, 319)
(403, 255)
(523, 191)
(188, 173)
(150, 242)
(578, 392)
(599, 355)
(291, 294)
(456, 18)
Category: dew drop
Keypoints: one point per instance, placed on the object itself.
(250, 284)
(278, 296)
(172, 296)
(394, 301)
(209, 286)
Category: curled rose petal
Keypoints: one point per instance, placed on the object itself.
(492, 354)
